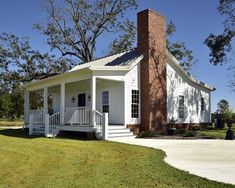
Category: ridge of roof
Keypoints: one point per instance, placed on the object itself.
(103, 57)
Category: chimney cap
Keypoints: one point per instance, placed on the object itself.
(150, 10)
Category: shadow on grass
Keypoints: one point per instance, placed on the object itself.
(20, 133)
(84, 136)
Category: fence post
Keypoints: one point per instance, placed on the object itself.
(30, 124)
(47, 125)
(105, 126)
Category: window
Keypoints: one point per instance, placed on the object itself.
(202, 104)
(181, 107)
(135, 104)
(105, 101)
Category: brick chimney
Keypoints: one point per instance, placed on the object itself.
(151, 35)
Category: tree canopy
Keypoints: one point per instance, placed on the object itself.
(179, 49)
(73, 27)
(221, 45)
(222, 106)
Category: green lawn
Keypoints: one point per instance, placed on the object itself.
(68, 162)
(9, 123)
(215, 133)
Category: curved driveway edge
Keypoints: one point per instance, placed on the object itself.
(212, 159)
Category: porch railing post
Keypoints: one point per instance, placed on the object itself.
(45, 102)
(62, 103)
(105, 126)
(93, 100)
(26, 107)
(30, 124)
(47, 125)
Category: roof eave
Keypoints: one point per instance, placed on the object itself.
(188, 76)
(49, 78)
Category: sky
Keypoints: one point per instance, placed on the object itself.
(194, 21)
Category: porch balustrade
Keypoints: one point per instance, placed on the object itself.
(37, 116)
(78, 116)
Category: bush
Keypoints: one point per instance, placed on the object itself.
(146, 134)
(195, 128)
(180, 131)
(190, 134)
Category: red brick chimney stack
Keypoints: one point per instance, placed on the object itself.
(151, 35)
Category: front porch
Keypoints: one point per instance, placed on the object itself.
(76, 119)
(87, 105)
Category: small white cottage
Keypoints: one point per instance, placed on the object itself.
(143, 88)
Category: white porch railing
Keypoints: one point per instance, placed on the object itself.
(78, 116)
(50, 125)
(98, 121)
(37, 116)
(101, 124)
(52, 129)
(54, 119)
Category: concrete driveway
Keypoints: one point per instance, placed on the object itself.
(213, 159)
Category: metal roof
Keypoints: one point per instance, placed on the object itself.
(123, 59)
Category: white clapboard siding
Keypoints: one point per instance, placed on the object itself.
(178, 85)
(132, 81)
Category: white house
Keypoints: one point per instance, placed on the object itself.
(142, 88)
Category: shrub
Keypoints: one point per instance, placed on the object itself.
(146, 134)
(195, 128)
(190, 134)
(180, 131)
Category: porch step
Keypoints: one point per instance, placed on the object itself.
(120, 130)
(115, 131)
(38, 131)
(116, 127)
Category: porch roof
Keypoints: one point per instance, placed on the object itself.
(123, 61)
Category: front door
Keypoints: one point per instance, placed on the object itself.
(82, 100)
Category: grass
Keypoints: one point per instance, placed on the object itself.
(214, 133)
(10, 123)
(65, 162)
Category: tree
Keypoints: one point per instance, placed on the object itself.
(125, 40)
(74, 26)
(179, 49)
(222, 106)
(18, 63)
(221, 45)
(5, 103)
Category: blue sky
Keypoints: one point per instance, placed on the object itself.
(194, 20)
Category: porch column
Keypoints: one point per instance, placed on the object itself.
(93, 99)
(26, 107)
(62, 102)
(45, 101)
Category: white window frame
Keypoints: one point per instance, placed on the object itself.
(181, 113)
(105, 103)
(133, 115)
